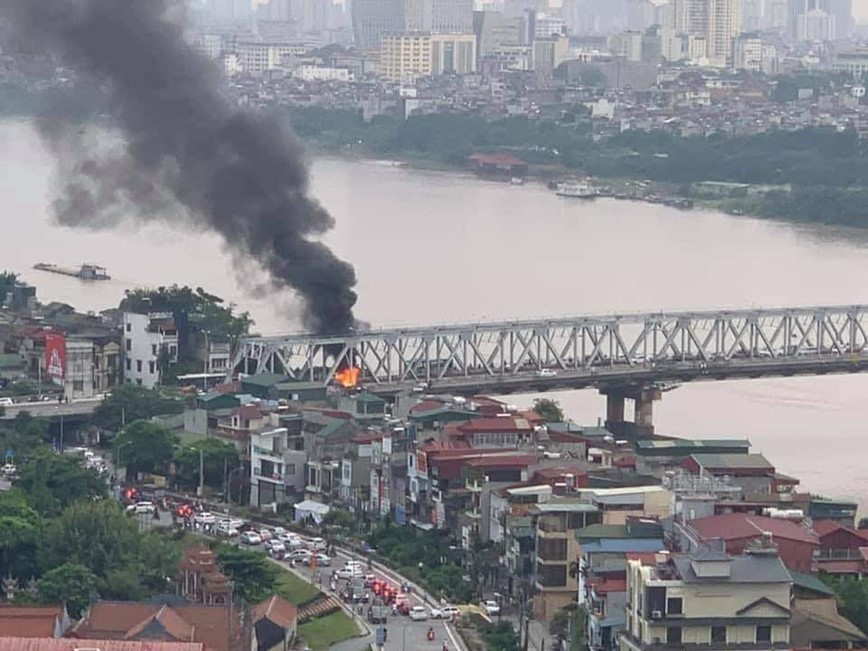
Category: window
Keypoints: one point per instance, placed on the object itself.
(763, 634)
(139, 365)
(129, 327)
(139, 381)
(718, 634)
(673, 606)
(129, 345)
(129, 365)
(78, 385)
(673, 635)
(154, 350)
(290, 469)
(151, 367)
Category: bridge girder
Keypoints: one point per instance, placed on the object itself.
(581, 348)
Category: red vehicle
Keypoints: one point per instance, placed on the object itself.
(184, 511)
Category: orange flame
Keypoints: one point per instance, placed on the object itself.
(349, 377)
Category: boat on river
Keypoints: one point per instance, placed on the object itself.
(84, 272)
(575, 190)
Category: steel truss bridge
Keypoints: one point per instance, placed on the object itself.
(606, 352)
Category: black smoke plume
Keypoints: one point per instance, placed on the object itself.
(234, 172)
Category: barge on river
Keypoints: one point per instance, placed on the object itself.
(84, 272)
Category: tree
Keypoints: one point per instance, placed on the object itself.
(500, 637)
(217, 457)
(129, 402)
(159, 555)
(51, 482)
(7, 284)
(549, 410)
(19, 531)
(146, 446)
(70, 583)
(97, 535)
(254, 576)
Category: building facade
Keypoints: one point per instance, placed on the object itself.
(149, 340)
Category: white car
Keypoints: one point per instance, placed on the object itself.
(298, 556)
(275, 546)
(418, 614)
(317, 544)
(491, 607)
(226, 529)
(322, 560)
(278, 531)
(444, 612)
(251, 538)
(265, 534)
(6, 402)
(350, 572)
(141, 507)
(546, 372)
(204, 518)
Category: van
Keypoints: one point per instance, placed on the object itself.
(7, 402)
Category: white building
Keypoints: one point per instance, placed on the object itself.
(546, 25)
(816, 25)
(148, 339)
(627, 45)
(257, 57)
(317, 73)
(267, 482)
(78, 381)
(716, 21)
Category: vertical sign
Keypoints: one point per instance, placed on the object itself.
(55, 356)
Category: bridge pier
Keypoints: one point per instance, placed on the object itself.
(643, 399)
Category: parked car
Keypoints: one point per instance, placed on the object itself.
(265, 534)
(491, 607)
(251, 538)
(418, 614)
(6, 402)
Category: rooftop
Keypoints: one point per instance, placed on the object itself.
(747, 568)
(662, 445)
(735, 526)
(733, 461)
(265, 380)
(67, 644)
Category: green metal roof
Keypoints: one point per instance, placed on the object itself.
(212, 396)
(299, 386)
(368, 397)
(755, 461)
(11, 360)
(811, 582)
(264, 380)
(698, 444)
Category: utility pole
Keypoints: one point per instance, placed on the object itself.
(201, 488)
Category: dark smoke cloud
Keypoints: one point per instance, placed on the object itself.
(235, 172)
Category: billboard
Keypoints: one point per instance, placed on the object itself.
(55, 356)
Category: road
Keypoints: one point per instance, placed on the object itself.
(53, 409)
(403, 633)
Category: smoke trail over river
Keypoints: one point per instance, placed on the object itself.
(236, 173)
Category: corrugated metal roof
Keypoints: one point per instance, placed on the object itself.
(742, 569)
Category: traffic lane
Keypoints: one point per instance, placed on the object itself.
(414, 636)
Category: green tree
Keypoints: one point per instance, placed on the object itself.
(72, 584)
(7, 283)
(500, 637)
(254, 576)
(52, 482)
(95, 534)
(19, 530)
(159, 555)
(129, 402)
(549, 409)
(217, 457)
(146, 446)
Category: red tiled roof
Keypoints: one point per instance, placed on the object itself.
(841, 567)
(25, 626)
(607, 585)
(645, 558)
(425, 405)
(824, 527)
(330, 413)
(249, 412)
(365, 438)
(66, 644)
(735, 526)
(277, 610)
(464, 452)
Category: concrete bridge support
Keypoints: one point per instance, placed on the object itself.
(643, 399)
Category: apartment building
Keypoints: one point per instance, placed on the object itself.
(149, 341)
(407, 56)
(708, 598)
(556, 548)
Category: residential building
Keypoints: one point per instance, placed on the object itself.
(656, 456)
(549, 53)
(753, 473)
(494, 30)
(708, 598)
(408, 56)
(106, 363)
(44, 644)
(754, 54)
(556, 549)
(815, 622)
(627, 45)
(642, 14)
(616, 505)
(796, 544)
(267, 482)
(816, 25)
(843, 551)
(150, 343)
(717, 22)
(322, 73)
(79, 380)
(258, 57)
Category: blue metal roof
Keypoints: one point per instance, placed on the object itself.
(615, 545)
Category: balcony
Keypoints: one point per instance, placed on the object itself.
(274, 477)
(267, 452)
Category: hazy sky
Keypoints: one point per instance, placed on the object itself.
(860, 10)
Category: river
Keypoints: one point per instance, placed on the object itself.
(441, 247)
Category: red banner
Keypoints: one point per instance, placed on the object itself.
(55, 356)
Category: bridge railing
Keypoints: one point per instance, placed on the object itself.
(570, 345)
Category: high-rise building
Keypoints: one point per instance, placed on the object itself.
(451, 16)
(374, 18)
(407, 56)
(717, 22)
(494, 30)
(840, 10)
(816, 25)
(642, 14)
(549, 52)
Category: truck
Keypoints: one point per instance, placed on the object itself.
(377, 614)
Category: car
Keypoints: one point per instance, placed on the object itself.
(546, 372)
(141, 507)
(369, 580)
(491, 607)
(278, 531)
(6, 402)
(350, 572)
(265, 534)
(322, 560)
(444, 612)
(275, 546)
(318, 544)
(204, 517)
(418, 614)
(251, 538)
(297, 556)
(225, 529)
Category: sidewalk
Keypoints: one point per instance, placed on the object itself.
(538, 638)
